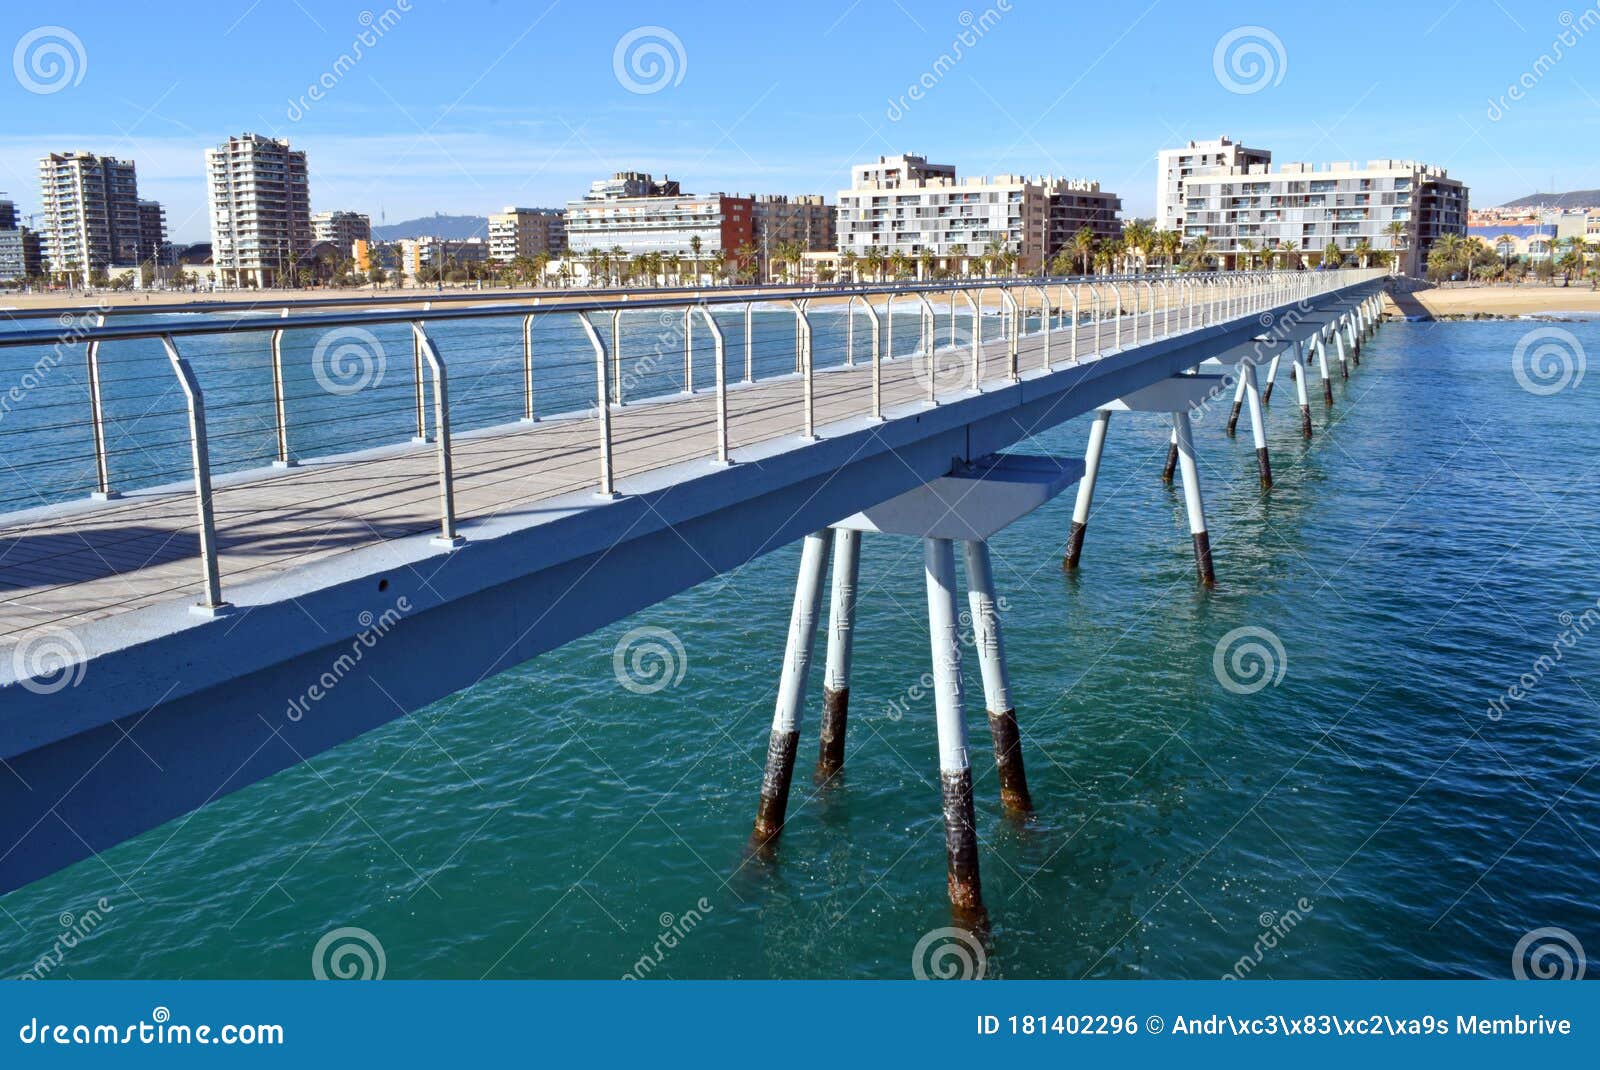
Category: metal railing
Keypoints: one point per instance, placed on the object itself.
(1099, 315)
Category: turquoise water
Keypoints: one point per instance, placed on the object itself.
(1414, 560)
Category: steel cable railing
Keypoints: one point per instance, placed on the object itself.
(223, 402)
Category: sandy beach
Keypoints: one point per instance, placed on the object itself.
(1469, 302)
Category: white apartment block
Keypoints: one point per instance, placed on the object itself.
(1174, 165)
(518, 232)
(632, 212)
(91, 212)
(1337, 203)
(260, 205)
(903, 204)
(341, 229)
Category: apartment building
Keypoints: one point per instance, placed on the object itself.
(19, 247)
(1174, 165)
(1342, 204)
(903, 204)
(517, 232)
(91, 212)
(260, 203)
(633, 212)
(449, 254)
(341, 229)
(808, 220)
(153, 245)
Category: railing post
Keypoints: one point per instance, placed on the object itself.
(688, 350)
(1010, 301)
(719, 347)
(280, 410)
(607, 487)
(803, 323)
(97, 421)
(616, 356)
(200, 456)
(1074, 291)
(1150, 334)
(976, 308)
(1044, 322)
(749, 343)
(528, 415)
(888, 327)
(877, 358)
(1094, 290)
(441, 432)
(421, 390)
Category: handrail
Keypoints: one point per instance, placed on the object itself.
(225, 325)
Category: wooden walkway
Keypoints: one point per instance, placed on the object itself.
(99, 560)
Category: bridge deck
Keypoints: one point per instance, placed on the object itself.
(96, 560)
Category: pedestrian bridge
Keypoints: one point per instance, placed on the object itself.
(260, 533)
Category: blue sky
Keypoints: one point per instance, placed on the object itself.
(471, 105)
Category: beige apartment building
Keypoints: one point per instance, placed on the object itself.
(518, 232)
(91, 213)
(1174, 165)
(341, 229)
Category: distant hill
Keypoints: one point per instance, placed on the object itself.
(435, 226)
(1578, 198)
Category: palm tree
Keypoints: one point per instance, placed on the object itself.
(1083, 243)
(1332, 255)
(695, 245)
(924, 264)
(1247, 251)
(1197, 255)
(1363, 252)
(899, 264)
(1291, 253)
(1398, 239)
(874, 262)
(847, 264)
(719, 266)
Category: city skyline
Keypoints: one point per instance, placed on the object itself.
(423, 121)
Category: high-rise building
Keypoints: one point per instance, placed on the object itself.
(633, 212)
(342, 229)
(907, 206)
(260, 203)
(526, 232)
(153, 233)
(1198, 157)
(19, 247)
(91, 212)
(1395, 206)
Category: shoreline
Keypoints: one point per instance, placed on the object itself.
(1576, 303)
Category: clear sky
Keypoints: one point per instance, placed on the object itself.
(470, 105)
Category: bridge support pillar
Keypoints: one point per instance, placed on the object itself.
(1091, 471)
(1322, 368)
(955, 770)
(841, 640)
(785, 738)
(987, 638)
(1272, 377)
(1297, 372)
(1172, 460)
(1338, 341)
(1238, 402)
(1184, 432)
(1258, 423)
